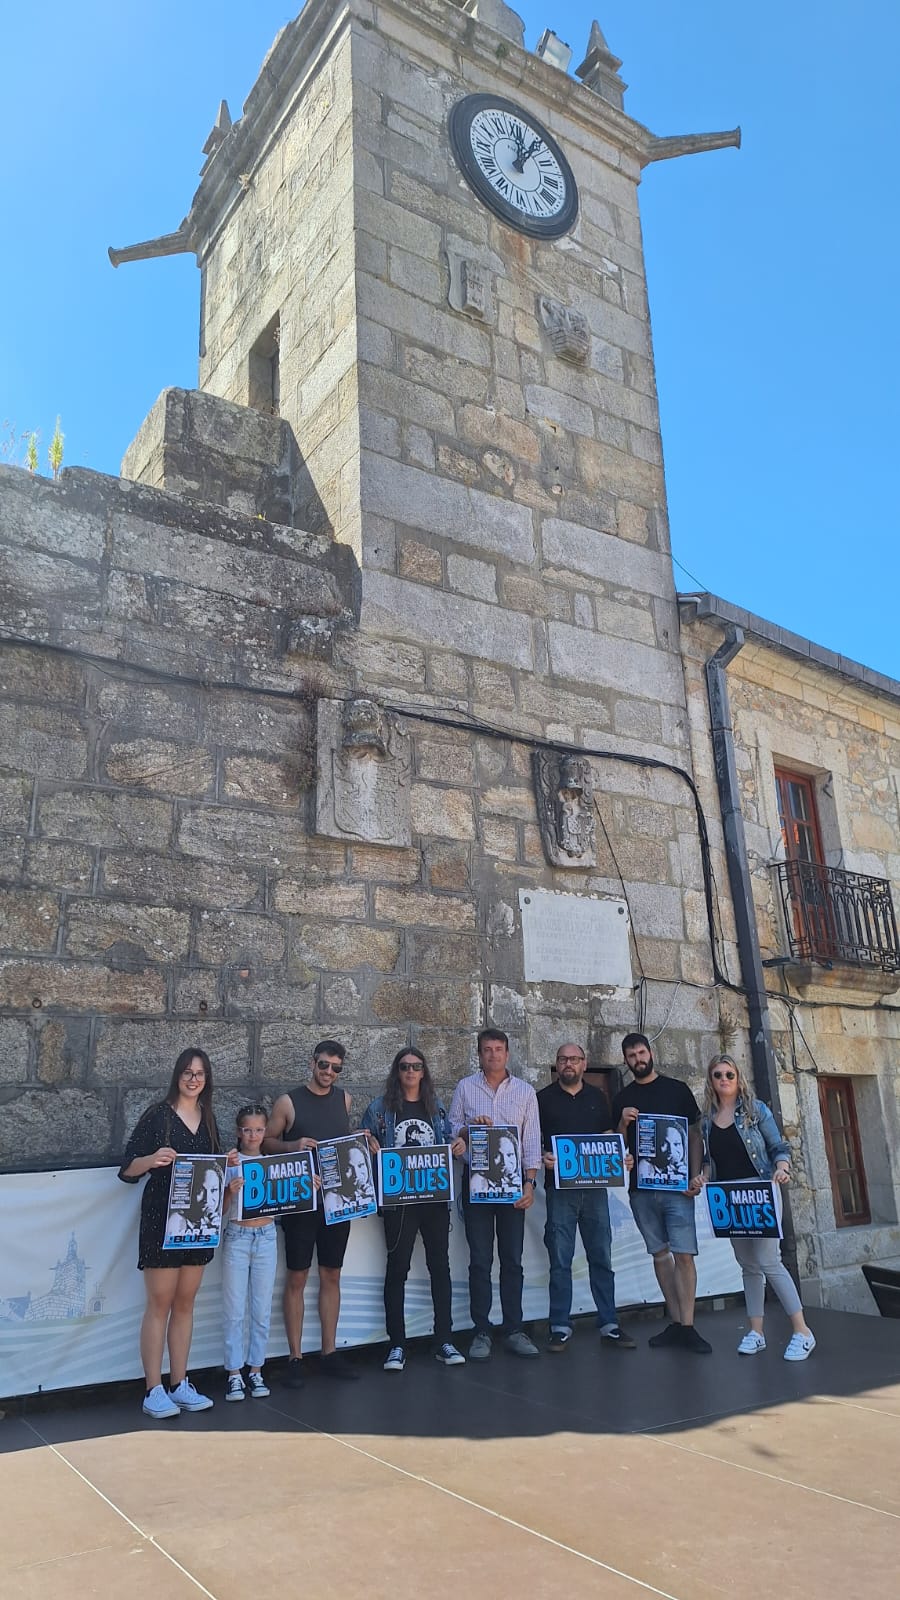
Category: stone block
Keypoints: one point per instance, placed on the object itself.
(344, 947)
(250, 837)
(126, 932)
(448, 865)
(382, 660)
(146, 1052)
(61, 866)
(164, 713)
(416, 908)
(176, 769)
(196, 992)
(451, 510)
(342, 1000)
(29, 919)
(293, 994)
(178, 880)
(432, 955)
(13, 1051)
(420, 562)
(589, 657)
(505, 801)
(43, 741)
(538, 598)
(286, 1052)
(100, 816)
(384, 865)
(500, 838)
(271, 783)
(486, 425)
(603, 556)
(235, 936)
(447, 674)
(30, 675)
(30, 582)
(439, 759)
(64, 1051)
(45, 516)
(476, 578)
(346, 901)
(445, 374)
(446, 813)
(55, 1127)
(78, 986)
(449, 1005)
(470, 627)
(559, 410)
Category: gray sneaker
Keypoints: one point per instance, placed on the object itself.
(480, 1348)
(519, 1344)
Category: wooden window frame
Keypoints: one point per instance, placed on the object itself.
(842, 1218)
(807, 782)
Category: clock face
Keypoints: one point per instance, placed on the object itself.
(513, 165)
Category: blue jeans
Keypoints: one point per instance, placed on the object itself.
(249, 1260)
(587, 1210)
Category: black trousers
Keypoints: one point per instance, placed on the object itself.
(401, 1225)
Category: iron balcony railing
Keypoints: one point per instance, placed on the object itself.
(832, 915)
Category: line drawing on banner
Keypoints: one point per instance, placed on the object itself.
(196, 1202)
(495, 1165)
(662, 1152)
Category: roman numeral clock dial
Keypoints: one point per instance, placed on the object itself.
(513, 165)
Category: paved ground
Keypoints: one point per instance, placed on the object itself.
(606, 1473)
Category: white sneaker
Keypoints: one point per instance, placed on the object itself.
(234, 1389)
(158, 1404)
(186, 1397)
(449, 1356)
(751, 1344)
(396, 1360)
(801, 1345)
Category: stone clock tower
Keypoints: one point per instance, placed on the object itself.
(420, 247)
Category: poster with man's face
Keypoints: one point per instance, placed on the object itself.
(662, 1152)
(196, 1199)
(495, 1165)
(345, 1172)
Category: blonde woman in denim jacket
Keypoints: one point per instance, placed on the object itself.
(742, 1141)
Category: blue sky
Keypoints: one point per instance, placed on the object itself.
(772, 271)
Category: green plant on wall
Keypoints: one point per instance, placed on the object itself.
(55, 452)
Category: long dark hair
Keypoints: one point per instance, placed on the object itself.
(393, 1091)
(206, 1093)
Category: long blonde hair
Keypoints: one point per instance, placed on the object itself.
(746, 1096)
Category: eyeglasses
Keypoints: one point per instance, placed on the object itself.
(411, 1066)
(729, 1076)
(566, 1061)
(329, 1066)
(194, 1077)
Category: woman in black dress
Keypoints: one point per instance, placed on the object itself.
(181, 1124)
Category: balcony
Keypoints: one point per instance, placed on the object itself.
(838, 919)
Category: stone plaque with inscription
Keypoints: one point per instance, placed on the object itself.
(575, 938)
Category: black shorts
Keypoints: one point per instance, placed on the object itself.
(308, 1231)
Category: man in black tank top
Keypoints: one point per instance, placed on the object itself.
(316, 1110)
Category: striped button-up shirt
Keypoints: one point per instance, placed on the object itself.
(513, 1104)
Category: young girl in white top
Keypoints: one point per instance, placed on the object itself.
(249, 1260)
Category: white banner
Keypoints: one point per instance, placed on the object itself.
(71, 1297)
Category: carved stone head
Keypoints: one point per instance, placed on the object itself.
(363, 728)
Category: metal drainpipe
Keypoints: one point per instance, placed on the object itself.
(765, 1079)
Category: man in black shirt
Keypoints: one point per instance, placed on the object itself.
(665, 1217)
(568, 1105)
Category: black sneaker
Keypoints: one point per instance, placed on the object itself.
(671, 1335)
(617, 1338)
(336, 1365)
(295, 1378)
(692, 1340)
(560, 1338)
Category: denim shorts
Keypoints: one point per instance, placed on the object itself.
(666, 1221)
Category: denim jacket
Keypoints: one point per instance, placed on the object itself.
(383, 1123)
(763, 1142)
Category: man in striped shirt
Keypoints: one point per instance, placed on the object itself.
(492, 1097)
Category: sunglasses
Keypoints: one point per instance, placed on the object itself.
(729, 1076)
(329, 1066)
(411, 1066)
